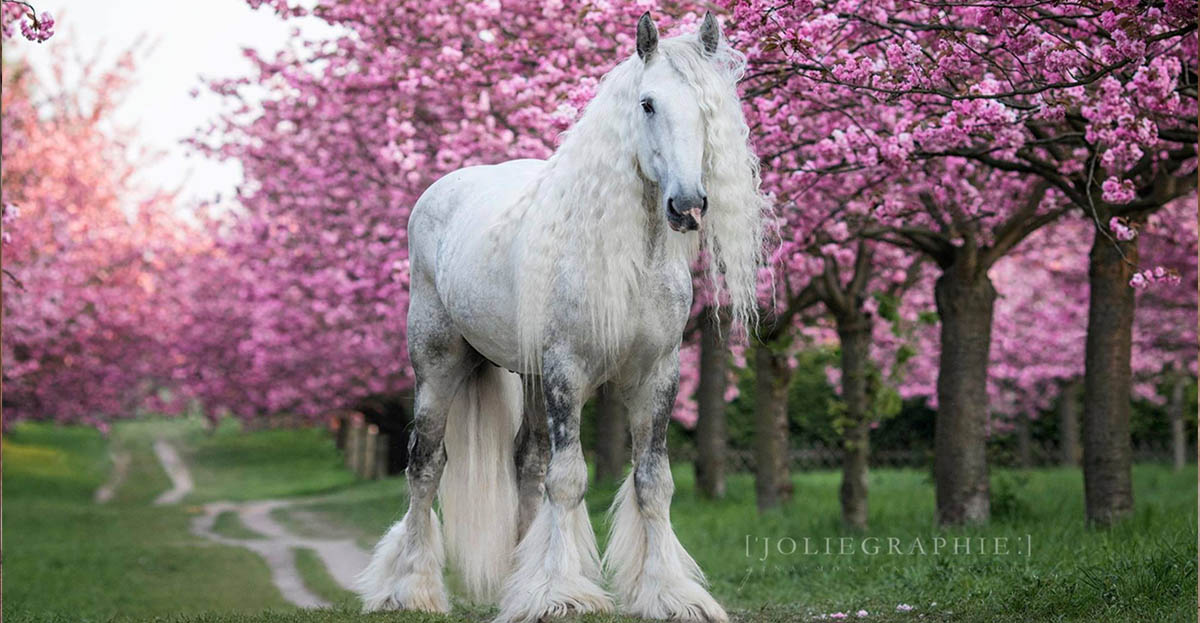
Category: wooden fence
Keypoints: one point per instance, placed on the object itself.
(364, 448)
(820, 456)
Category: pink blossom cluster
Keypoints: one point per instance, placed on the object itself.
(1122, 229)
(1142, 280)
(34, 27)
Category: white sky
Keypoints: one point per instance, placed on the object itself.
(189, 39)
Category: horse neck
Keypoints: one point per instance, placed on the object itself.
(588, 214)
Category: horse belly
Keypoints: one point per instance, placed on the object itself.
(481, 301)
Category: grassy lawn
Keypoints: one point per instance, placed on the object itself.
(230, 464)
(69, 559)
(229, 525)
(316, 577)
(1142, 570)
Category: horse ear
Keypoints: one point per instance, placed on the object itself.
(647, 37)
(710, 33)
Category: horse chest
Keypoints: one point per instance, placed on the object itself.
(657, 322)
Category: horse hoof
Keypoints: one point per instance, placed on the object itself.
(686, 601)
(421, 593)
(531, 608)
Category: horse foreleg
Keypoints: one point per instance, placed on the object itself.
(533, 456)
(556, 570)
(653, 575)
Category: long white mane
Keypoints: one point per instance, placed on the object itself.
(591, 208)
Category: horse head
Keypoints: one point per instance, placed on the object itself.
(670, 144)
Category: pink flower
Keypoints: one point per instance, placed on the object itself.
(903, 608)
(1122, 231)
(1118, 191)
(38, 29)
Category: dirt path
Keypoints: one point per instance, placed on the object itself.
(105, 493)
(342, 557)
(177, 471)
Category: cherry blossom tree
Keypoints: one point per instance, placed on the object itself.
(351, 130)
(997, 118)
(1041, 341)
(84, 249)
(963, 155)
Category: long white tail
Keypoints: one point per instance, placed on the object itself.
(478, 490)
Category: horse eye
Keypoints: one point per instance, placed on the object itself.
(648, 106)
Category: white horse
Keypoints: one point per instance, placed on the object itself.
(570, 273)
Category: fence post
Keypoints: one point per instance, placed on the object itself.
(381, 457)
(354, 442)
(367, 464)
(339, 424)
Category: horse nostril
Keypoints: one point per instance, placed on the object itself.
(671, 206)
(704, 207)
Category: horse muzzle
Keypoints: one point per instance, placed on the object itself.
(685, 212)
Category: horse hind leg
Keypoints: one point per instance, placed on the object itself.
(405, 571)
(653, 575)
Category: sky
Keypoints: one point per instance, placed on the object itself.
(184, 40)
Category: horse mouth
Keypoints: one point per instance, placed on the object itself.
(686, 221)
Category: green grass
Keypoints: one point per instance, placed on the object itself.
(68, 559)
(228, 524)
(1142, 570)
(230, 464)
(316, 577)
(364, 511)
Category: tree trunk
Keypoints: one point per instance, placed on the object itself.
(854, 332)
(710, 399)
(1175, 410)
(965, 303)
(1068, 424)
(1107, 460)
(1024, 442)
(610, 436)
(772, 483)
